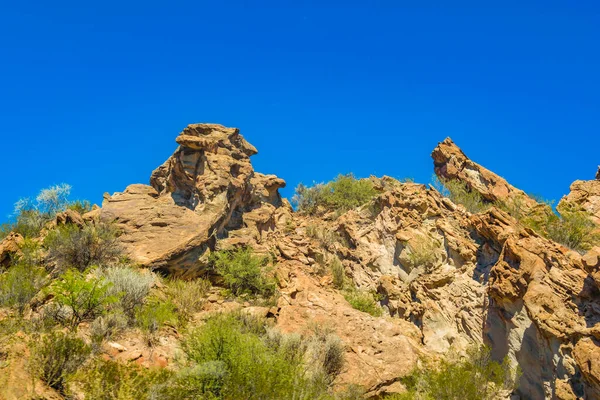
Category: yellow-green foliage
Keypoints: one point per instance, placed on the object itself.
(234, 356)
(363, 301)
(24, 278)
(475, 377)
(187, 296)
(422, 251)
(243, 272)
(111, 380)
(461, 193)
(343, 193)
(338, 273)
(154, 314)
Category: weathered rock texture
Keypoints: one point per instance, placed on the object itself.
(448, 279)
(204, 190)
(584, 195)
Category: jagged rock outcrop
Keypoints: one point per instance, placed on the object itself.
(10, 247)
(204, 190)
(451, 163)
(584, 195)
(447, 278)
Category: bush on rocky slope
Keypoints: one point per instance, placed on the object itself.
(243, 272)
(460, 193)
(342, 194)
(474, 377)
(72, 246)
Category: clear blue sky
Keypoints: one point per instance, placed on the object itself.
(94, 93)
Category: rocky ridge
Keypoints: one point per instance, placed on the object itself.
(446, 278)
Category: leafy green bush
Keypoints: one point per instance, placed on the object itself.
(55, 356)
(84, 298)
(475, 377)
(187, 296)
(461, 193)
(243, 272)
(343, 193)
(231, 359)
(111, 380)
(128, 285)
(363, 301)
(20, 284)
(75, 247)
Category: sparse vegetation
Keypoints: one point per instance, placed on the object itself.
(422, 251)
(77, 247)
(187, 296)
(107, 326)
(338, 273)
(475, 377)
(57, 355)
(111, 380)
(243, 272)
(363, 301)
(461, 193)
(343, 193)
(153, 315)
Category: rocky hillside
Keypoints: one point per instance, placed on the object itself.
(435, 274)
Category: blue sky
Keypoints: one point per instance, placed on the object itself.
(94, 93)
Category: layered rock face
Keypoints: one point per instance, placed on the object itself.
(204, 190)
(447, 279)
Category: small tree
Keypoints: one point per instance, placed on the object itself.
(85, 298)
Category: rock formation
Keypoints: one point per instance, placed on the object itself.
(446, 279)
(204, 190)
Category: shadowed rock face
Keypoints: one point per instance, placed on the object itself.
(204, 190)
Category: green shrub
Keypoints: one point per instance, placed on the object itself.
(187, 296)
(338, 273)
(111, 380)
(75, 247)
(243, 272)
(343, 193)
(55, 356)
(422, 251)
(228, 360)
(461, 193)
(84, 298)
(153, 315)
(20, 284)
(80, 206)
(363, 301)
(475, 377)
(128, 285)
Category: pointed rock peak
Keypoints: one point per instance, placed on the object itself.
(210, 137)
(451, 163)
